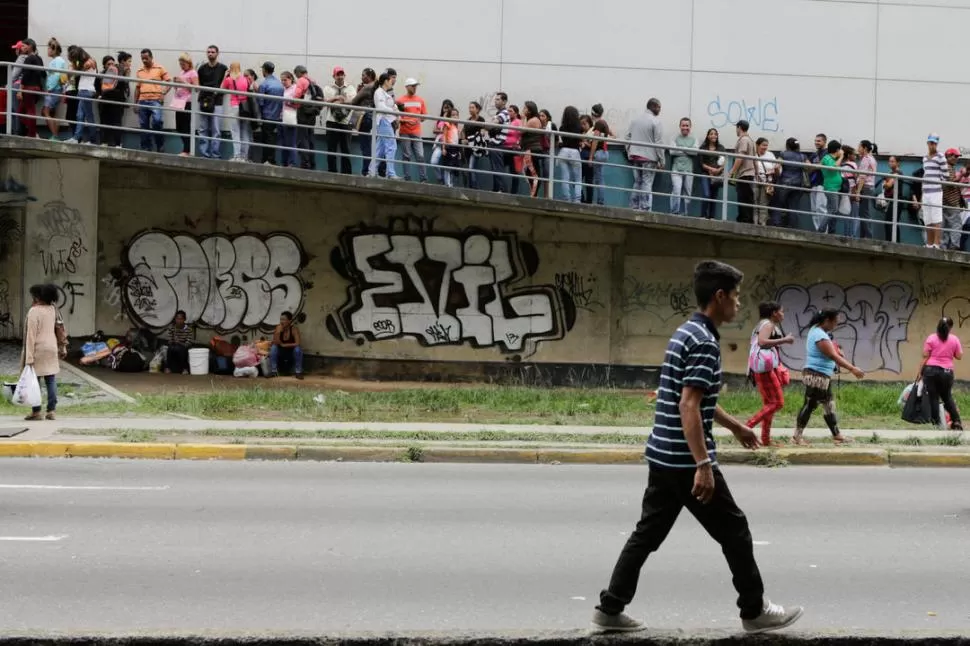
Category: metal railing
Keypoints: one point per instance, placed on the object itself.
(543, 169)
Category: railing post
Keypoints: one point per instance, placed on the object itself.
(727, 184)
(193, 120)
(9, 100)
(895, 209)
(551, 171)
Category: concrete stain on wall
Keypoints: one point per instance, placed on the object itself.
(221, 282)
(874, 323)
(446, 289)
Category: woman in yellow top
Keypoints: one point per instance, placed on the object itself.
(286, 343)
(40, 344)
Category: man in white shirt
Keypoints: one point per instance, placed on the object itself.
(338, 122)
(766, 170)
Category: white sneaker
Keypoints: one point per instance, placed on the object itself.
(621, 623)
(772, 617)
(72, 140)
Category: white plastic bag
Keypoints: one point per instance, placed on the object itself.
(250, 371)
(28, 390)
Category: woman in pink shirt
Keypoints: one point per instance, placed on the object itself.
(939, 351)
(241, 129)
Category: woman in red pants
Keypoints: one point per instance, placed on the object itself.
(764, 362)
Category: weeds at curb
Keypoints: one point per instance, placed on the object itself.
(768, 460)
(136, 436)
(413, 454)
(913, 440)
(874, 439)
(952, 439)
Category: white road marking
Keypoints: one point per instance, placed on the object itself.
(578, 598)
(34, 539)
(762, 542)
(81, 487)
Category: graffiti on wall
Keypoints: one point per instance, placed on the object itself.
(13, 194)
(664, 299)
(224, 283)
(446, 289)
(761, 112)
(875, 321)
(582, 288)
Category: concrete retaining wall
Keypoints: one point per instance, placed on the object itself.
(389, 281)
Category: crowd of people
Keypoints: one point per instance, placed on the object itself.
(275, 124)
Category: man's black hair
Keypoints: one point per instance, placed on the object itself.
(710, 277)
(833, 147)
(822, 135)
(123, 56)
(148, 51)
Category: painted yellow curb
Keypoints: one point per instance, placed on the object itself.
(259, 452)
(122, 450)
(737, 456)
(836, 457)
(459, 454)
(596, 456)
(350, 453)
(919, 459)
(210, 452)
(34, 450)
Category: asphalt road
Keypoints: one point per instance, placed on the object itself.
(183, 546)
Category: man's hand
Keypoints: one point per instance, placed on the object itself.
(703, 484)
(747, 438)
(859, 374)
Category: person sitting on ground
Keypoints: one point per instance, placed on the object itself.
(179, 340)
(286, 344)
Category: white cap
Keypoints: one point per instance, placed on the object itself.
(411, 81)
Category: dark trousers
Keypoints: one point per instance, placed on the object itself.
(271, 137)
(745, 191)
(183, 125)
(51, 382)
(304, 141)
(668, 492)
(177, 358)
(710, 189)
(509, 167)
(338, 141)
(364, 140)
(496, 161)
(786, 200)
(111, 115)
(939, 384)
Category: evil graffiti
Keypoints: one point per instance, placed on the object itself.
(244, 282)
(874, 321)
(446, 289)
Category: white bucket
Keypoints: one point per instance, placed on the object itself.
(199, 361)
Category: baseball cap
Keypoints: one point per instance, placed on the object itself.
(411, 81)
(338, 70)
(933, 138)
(19, 44)
(952, 151)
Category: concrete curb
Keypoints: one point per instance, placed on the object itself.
(856, 457)
(97, 383)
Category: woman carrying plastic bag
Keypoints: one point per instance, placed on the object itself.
(27, 392)
(41, 351)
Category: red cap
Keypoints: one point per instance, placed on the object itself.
(19, 44)
(338, 70)
(953, 151)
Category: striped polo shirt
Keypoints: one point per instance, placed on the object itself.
(693, 358)
(934, 170)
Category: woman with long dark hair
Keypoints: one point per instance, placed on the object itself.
(790, 186)
(439, 128)
(712, 163)
(764, 361)
(936, 371)
(532, 159)
(866, 186)
(41, 349)
(569, 140)
(85, 129)
(473, 142)
(821, 358)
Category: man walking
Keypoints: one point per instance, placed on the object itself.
(682, 169)
(148, 97)
(338, 122)
(412, 145)
(646, 159)
(743, 170)
(211, 74)
(271, 110)
(683, 464)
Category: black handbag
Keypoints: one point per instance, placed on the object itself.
(917, 409)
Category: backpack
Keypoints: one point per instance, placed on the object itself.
(761, 360)
(311, 112)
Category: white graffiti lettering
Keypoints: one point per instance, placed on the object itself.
(874, 321)
(447, 290)
(227, 284)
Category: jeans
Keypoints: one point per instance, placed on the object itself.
(365, 142)
(682, 185)
(304, 141)
(287, 141)
(641, 199)
(295, 354)
(828, 221)
(85, 116)
(210, 130)
(271, 137)
(386, 150)
(952, 228)
(412, 150)
(242, 134)
(819, 207)
(861, 226)
(939, 384)
(709, 190)
(150, 119)
(787, 198)
(51, 382)
(571, 174)
(852, 224)
(338, 141)
(668, 493)
(473, 174)
(600, 157)
(745, 191)
(183, 125)
(496, 162)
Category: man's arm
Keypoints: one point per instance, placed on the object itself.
(691, 422)
(744, 434)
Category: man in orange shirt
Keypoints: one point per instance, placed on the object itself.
(412, 145)
(149, 97)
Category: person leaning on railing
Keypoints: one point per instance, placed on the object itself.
(114, 95)
(712, 161)
(832, 185)
(793, 182)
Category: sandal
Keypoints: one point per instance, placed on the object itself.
(800, 441)
(841, 439)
